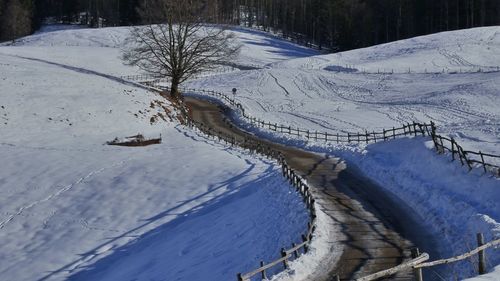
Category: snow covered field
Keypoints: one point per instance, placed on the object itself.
(60, 101)
(72, 207)
(324, 93)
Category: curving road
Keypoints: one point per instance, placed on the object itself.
(373, 230)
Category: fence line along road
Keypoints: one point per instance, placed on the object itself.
(410, 129)
(442, 144)
(288, 173)
(419, 261)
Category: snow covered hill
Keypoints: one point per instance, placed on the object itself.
(467, 50)
(345, 93)
(72, 207)
(306, 92)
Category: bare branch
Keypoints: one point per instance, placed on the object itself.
(177, 42)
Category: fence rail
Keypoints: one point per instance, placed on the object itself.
(442, 144)
(288, 173)
(466, 157)
(391, 271)
(419, 261)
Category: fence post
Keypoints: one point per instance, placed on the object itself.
(304, 239)
(296, 252)
(466, 160)
(415, 253)
(434, 137)
(283, 255)
(452, 149)
(433, 128)
(422, 131)
(441, 148)
(482, 159)
(481, 255)
(393, 132)
(264, 276)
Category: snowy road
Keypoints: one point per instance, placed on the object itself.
(372, 229)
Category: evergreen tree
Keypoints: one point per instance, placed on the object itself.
(15, 20)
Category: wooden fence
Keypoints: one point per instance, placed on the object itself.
(466, 157)
(356, 69)
(143, 78)
(442, 145)
(490, 163)
(419, 261)
(295, 180)
(150, 80)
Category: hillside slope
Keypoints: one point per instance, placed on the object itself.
(303, 92)
(71, 205)
(466, 50)
(330, 93)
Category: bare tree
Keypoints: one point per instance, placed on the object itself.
(177, 42)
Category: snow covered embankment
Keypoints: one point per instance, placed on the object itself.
(454, 204)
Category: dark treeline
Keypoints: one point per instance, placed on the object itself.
(110, 12)
(331, 24)
(348, 24)
(21, 17)
(16, 18)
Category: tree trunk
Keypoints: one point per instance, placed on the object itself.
(174, 89)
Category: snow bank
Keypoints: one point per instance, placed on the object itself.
(454, 204)
(321, 255)
(493, 276)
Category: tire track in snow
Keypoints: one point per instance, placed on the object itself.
(318, 121)
(281, 86)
